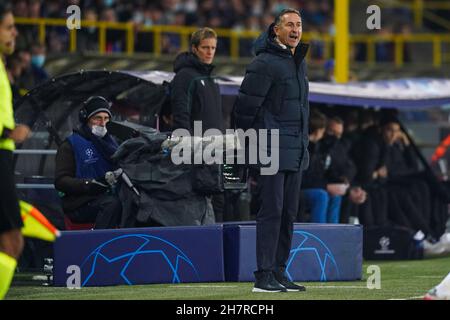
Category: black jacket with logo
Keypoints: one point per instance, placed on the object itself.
(195, 95)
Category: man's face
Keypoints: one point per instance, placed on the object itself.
(99, 119)
(206, 50)
(289, 31)
(8, 34)
(391, 132)
(335, 129)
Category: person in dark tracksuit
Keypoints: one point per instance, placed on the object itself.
(195, 95)
(274, 95)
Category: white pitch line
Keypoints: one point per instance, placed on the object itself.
(200, 286)
(337, 287)
(313, 287)
(410, 298)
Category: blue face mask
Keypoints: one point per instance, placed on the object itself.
(38, 60)
(108, 3)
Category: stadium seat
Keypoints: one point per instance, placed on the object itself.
(70, 225)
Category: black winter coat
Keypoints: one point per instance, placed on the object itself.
(315, 177)
(195, 95)
(274, 95)
(399, 160)
(342, 167)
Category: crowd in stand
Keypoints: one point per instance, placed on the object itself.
(25, 69)
(236, 14)
(253, 15)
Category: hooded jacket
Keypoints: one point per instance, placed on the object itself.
(195, 95)
(274, 95)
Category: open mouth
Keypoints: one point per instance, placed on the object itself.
(293, 37)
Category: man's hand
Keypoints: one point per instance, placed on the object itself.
(402, 138)
(20, 133)
(380, 173)
(357, 195)
(96, 187)
(112, 176)
(337, 189)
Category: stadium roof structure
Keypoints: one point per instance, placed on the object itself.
(401, 93)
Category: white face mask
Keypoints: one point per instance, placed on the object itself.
(99, 131)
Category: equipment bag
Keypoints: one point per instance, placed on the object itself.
(391, 243)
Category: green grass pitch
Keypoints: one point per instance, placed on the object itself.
(399, 280)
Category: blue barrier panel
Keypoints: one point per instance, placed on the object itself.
(320, 252)
(139, 256)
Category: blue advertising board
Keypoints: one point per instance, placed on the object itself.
(319, 252)
(140, 256)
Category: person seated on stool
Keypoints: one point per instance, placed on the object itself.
(82, 162)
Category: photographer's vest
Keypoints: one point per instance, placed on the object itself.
(89, 162)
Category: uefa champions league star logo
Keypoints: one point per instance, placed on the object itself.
(89, 153)
(305, 243)
(384, 245)
(122, 256)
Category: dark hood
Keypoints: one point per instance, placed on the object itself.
(190, 60)
(266, 43)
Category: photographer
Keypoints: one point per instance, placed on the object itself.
(82, 161)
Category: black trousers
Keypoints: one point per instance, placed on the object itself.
(279, 198)
(406, 206)
(105, 212)
(10, 218)
(375, 210)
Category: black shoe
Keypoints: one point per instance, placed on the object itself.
(265, 282)
(289, 285)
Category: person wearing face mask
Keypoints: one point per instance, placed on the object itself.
(82, 162)
(38, 52)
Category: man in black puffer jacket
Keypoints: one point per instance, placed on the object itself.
(274, 95)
